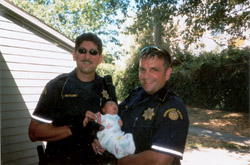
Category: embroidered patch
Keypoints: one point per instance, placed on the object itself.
(148, 114)
(105, 94)
(173, 114)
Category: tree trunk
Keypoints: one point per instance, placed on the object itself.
(157, 35)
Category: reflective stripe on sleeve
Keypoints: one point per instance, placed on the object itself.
(166, 150)
(41, 119)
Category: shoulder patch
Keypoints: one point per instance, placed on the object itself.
(173, 114)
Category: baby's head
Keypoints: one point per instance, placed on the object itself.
(110, 107)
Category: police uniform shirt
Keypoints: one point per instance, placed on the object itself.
(158, 122)
(65, 100)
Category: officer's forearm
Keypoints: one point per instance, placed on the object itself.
(147, 157)
(47, 132)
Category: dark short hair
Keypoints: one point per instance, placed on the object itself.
(151, 51)
(104, 104)
(89, 37)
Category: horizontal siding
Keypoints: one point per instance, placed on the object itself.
(23, 90)
(10, 25)
(23, 83)
(21, 36)
(29, 45)
(27, 75)
(10, 123)
(38, 68)
(7, 115)
(37, 60)
(15, 139)
(18, 155)
(15, 131)
(18, 33)
(28, 61)
(26, 160)
(39, 53)
(18, 106)
(18, 99)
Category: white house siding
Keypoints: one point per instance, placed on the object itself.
(28, 61)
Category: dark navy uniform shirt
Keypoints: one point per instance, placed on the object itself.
(65, 101)
(158, 122)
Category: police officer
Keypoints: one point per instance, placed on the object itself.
(59, 115)
(155, 116)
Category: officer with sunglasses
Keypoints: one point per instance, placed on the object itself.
(67, 104)
(155, 116)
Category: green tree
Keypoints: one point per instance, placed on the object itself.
(128, 79)
(155, 24)
(231, 17)
(74, 17)
(154, 20)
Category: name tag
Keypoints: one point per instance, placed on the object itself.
(70, 95)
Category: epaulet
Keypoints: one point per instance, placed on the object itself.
(63, 76)
(137, 89)
(133, 93)
(164, 94)
(59, 78)
(58, 83)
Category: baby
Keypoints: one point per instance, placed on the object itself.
(112, 138)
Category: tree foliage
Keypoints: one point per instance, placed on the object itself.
(215, 81)
(152, 15)
(128, 79)
(155, 23)
(75, 17)
(72, 18)
(220, 16)
(163, 19)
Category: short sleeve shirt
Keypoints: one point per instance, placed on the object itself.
(65, 100)
(156, 124)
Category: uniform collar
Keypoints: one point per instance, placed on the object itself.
(73, 76)
(160, 95)
(98, 81)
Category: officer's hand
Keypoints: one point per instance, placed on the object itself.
(97, 147)
(77, 128)
(90, 116)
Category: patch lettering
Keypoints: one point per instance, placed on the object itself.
(173, 114)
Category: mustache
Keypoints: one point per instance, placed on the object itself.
(84, 60)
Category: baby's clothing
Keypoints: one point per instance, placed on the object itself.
(113, 139)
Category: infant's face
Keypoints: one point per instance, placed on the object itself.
(110, 108)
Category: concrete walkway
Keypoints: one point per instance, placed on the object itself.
(220, 135)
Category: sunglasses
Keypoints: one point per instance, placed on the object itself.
(84, 51)
(150, 48)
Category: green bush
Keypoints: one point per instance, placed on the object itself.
(128, 79)
(215, 81)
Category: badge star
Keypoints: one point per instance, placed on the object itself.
(105, 94)
(148, 114)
